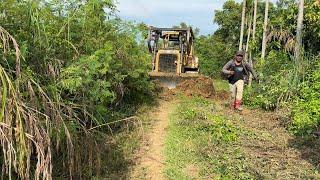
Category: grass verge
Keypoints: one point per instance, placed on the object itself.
(203, 144)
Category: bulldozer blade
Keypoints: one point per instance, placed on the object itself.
(171, 80)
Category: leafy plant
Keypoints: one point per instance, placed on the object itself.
(306, 112)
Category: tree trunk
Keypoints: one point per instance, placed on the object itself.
(253, 36)
(264, 38)
(298, 44)
(242, 24)
(254, 19)
(248, 39)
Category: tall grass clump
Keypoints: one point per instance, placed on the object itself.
(68, 71)
(26, 119)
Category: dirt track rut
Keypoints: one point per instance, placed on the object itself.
(151, 161)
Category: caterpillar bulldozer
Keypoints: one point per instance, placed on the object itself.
(173, 58)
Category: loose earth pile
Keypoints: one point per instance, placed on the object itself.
(202, 86)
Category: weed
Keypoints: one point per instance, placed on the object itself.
(202, 140)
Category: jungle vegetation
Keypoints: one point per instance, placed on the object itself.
(288, 79)
(69, 69)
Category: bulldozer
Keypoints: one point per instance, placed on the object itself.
(173, 58)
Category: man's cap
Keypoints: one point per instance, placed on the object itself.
(240, 53)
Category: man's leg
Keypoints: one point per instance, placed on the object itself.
(233, 95)
(239, 94)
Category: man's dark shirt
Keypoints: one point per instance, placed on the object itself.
(239, 74)
(234, 78)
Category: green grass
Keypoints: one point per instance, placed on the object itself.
(203, 144)
(221, 85)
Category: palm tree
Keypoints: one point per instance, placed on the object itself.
(264, 37)
(254, 19)
(242, 24)
(253, 36)
(298, 43)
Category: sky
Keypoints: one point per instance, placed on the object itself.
(166, 13)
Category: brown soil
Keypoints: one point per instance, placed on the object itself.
(271, 151)
(222, 95)
(150, 159)
(202, 86)
(167, 94)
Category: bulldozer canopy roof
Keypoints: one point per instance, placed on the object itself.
(186, 30)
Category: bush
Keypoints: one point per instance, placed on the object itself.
(111, 76)
(306, 111)
(277, 83)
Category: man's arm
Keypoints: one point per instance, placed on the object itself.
(226, 68)
(252, 71)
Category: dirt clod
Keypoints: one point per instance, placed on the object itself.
(167, 94)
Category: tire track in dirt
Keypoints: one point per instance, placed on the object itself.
(150, 158)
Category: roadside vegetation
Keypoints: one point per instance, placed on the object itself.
(68, 71)
(206, 140)
(286, 81)
(76, 97)
(201, 143)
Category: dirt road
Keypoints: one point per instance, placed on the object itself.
(262, 149)
(151, 162)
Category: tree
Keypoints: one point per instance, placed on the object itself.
(254, 19)
(184, 25)
(253, 35)
(248, 38)
(242, 24)
(298, 43)
(78, 66)
(264, 37)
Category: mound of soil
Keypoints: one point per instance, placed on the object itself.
(167, 94)
(202, 86)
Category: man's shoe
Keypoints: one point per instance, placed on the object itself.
(238, 105)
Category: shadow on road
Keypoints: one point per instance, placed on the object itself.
(309, 149)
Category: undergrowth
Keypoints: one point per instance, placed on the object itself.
(306, 113)
(107, 152)
(202, 144)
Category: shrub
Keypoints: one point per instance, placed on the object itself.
(306, 110)
(277, 83)
(111, 76)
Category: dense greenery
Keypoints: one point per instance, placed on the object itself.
(282, 80)
(215, 50)
(70, 69)
(306, 112)
(80, 67)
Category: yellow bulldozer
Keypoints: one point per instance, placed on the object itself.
(173, 58)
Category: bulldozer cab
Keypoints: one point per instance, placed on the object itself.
(172, 53)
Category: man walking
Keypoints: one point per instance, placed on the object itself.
(237, 70)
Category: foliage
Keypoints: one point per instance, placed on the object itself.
(275, 88)
(201, 141)
(80, 66)
(213, 53)
(215, 50)
(306, 112)
(27, 117)
(281, 81)
(115, 73)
